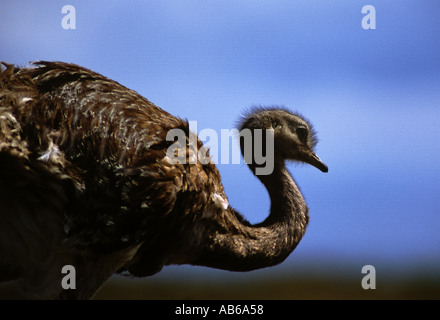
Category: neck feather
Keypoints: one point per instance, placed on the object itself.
(238, 246)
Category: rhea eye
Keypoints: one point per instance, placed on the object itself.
(302, 132)
(275, 124)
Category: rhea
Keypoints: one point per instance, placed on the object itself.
(86, 182)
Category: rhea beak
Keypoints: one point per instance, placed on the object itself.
(314, 160)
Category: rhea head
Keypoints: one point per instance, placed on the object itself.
(293, 135)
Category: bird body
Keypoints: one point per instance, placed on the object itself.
(85, 180)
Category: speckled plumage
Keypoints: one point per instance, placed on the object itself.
(84, 180)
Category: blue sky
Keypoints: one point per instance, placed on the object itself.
(373, 96)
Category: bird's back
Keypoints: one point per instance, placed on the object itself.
(104, 146)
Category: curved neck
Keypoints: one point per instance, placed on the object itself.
(236, 245)
(287, 203)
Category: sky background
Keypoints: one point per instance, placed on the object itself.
(372, 95)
